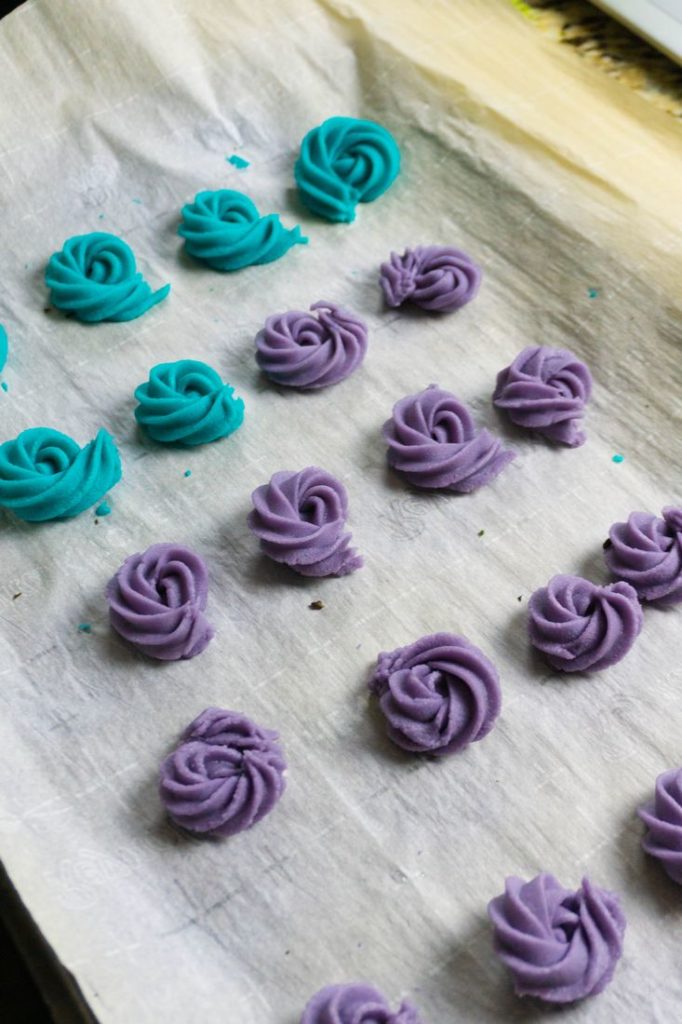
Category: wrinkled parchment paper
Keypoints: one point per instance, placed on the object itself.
(374, 865)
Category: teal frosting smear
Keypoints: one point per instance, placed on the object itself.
(46, 475)
(187, 403)
(237, 161)
(343, 162)
(225, 230)
(104, 509)
(95, 278)
(4, 347)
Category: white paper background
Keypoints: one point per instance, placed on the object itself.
(374, 865)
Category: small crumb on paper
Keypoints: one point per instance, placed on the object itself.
(84, 627)
(617, 458)
(481, 533)
(188, 472)
(316, 605)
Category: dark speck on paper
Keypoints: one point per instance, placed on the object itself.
(481, 533)
(15, 596)
(48, 309)
(84, 627)
(316, 606)
(608, 543)
(188, 472)
(520, 597)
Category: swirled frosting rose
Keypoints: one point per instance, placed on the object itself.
(546, 389)
(437, 695)
(95, 277)
(311, 350)
(46, 475)
(299, 519)
(225, 776)
(646, 552)
(343, 162)
(356, 1003)
(663, 819)
(225, 230)
(559, 945)
(187, 403)
(157, 601)
(433, 442)
(581, 627)
(437, 278)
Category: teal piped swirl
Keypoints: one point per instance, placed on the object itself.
(46, 475)
(95, 278)
(225, 230)
(187, 403)
(343, 162)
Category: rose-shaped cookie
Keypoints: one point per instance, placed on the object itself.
(225, 776)
(94, 277)
(300, 521)
(343, 162)
(356, 1003)
(157, 601)
(438, 694)
(225, 230)
(663, 819)
(46, 475)
(306, 351)
(433, 442)
(546, 389)
(559, 945)
(187, 403)
(581, 627)
(437, 278)
(646, 552)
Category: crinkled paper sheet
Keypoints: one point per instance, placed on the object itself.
(374, 865)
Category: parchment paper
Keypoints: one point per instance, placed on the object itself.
(374, 865)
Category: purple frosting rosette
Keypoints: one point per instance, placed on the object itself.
(646, 552)
(157, 601)
(434, 444)
(299, 519)
(226, 774)
(436, 278)
(356, 1003)
(582, 627)
(311, 350)
(560, 946)
(663, 819)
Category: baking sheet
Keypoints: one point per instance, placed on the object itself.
(374, 865)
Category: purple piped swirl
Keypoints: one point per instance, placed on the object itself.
(546, 389)
(663, 819)
(226, 774)
(581, 627)
(157, 601)
(559, 945)
(646, 552)
(301, 350)
(438, 694)
(356, 1003)
(433, 442)
(437, 278)
(299, 519)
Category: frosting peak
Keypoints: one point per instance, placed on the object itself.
(437, 278)
(95, 278)
(157, 601)
(299, 519)
(663, 819)
(343, 162)
(559, 945)
(581, 627)
(433, 442)
(356, 1003)
(438, 694)
(187, 403)
(303, 350)
(546, 389)
(225, 776)
(44, 474)
(225, 230)
(646, 552)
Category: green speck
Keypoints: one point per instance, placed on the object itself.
(104, 509)
(100, 216)
(188, 472)
(592, 293)
(84, 627)
(137, 201)
(617, 458)
(4, 386)
(237, 161)
(481, 532)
